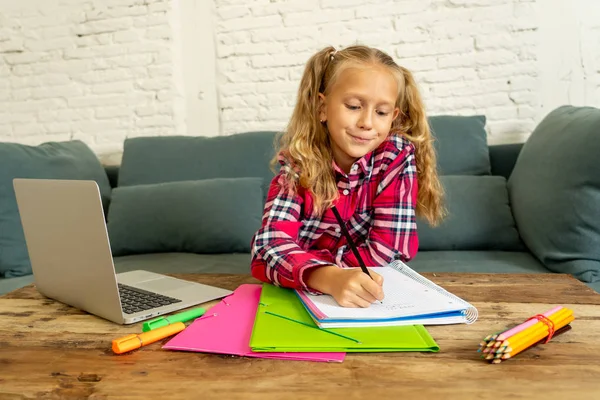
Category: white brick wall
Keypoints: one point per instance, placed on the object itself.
(469, 56)
(104, 70)
(98, 71)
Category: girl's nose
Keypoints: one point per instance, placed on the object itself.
(366, 120)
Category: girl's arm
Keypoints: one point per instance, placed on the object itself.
(276, 255)
(393, 233)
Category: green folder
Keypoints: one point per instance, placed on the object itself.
(282, 324)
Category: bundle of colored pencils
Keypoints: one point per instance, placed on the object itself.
(537, 329)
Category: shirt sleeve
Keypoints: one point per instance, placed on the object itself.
(276, 256)
(393, 233)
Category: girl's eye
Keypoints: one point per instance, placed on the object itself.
(351, 107)
(382, 113)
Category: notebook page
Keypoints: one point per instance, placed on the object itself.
(404, 297)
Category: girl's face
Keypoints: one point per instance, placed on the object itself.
(359, 112)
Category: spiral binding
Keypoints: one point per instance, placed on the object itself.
(471, 314)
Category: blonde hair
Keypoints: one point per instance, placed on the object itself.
(305, 143)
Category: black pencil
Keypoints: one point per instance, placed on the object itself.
(350, 242)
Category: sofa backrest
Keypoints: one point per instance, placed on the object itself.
(502, 162)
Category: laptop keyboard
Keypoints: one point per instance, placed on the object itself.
(134, 300)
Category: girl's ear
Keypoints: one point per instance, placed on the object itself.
(322, 108)
(396, 112)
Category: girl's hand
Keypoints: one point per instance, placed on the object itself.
(349, 287)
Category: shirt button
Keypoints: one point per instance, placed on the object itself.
(354, 167)
(346, 192)
(337, 230)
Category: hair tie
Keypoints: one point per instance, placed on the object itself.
(333, 54)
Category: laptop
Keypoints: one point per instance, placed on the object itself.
(71, 259)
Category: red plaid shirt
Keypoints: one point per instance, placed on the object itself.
(377, 201)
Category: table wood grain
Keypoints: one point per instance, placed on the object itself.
(51, 350)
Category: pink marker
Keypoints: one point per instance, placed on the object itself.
(525, 325)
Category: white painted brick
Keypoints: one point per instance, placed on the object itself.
(234, 102)
(240, 114)
(277, 87)
(158, 7)
(239, 24)
(278, 34)
(26, 129)
(511, 127)
(156, 19)
(457, 60)
(12, 45)
(276, 60)
(110, 75)
(495, 57)
(275, 8)
(501, 113)
(232, 38)
(438, 47)
(112, 13)
(340, 3)
(103, 26)
(377, 10)
(114, 87)
(498, 41)
(521, 68)
(250, 49)
(155, 109)
(233, 12)
(475, 2)
(492, 99)
(23, 58)
(165, 95)
(258, 75)
(228, 89)
(155, 71)
(56, 92)
(96, 126)
(64, 115)
(160, 120)
(34, 106)
(97, 101)
(37, 139)
(159, 32)
(523, 97)
(275, 113)
(54, 128)
(418, 63)
(18, 118)
(446, 75)
(309, 18)
(113, 112)
(153, 84)
(41, 80)
(126, 36)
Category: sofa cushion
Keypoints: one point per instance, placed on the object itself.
(205, 216)
(513, 262)
(53, 160)
(555, 192)
(479, 217)
(148, 160)
(461, 144)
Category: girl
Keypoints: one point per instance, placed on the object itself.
(359, 141)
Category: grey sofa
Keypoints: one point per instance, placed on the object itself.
(480, 236)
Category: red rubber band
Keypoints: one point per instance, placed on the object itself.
(548, 322)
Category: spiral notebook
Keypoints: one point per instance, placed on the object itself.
(410, 299)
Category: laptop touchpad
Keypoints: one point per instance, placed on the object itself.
(162, 285)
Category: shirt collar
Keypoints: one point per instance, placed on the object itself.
(363, 166)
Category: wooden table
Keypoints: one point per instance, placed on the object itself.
(50, 350)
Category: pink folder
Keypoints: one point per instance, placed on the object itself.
(226, 329)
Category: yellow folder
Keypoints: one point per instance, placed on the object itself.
(282, 324)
